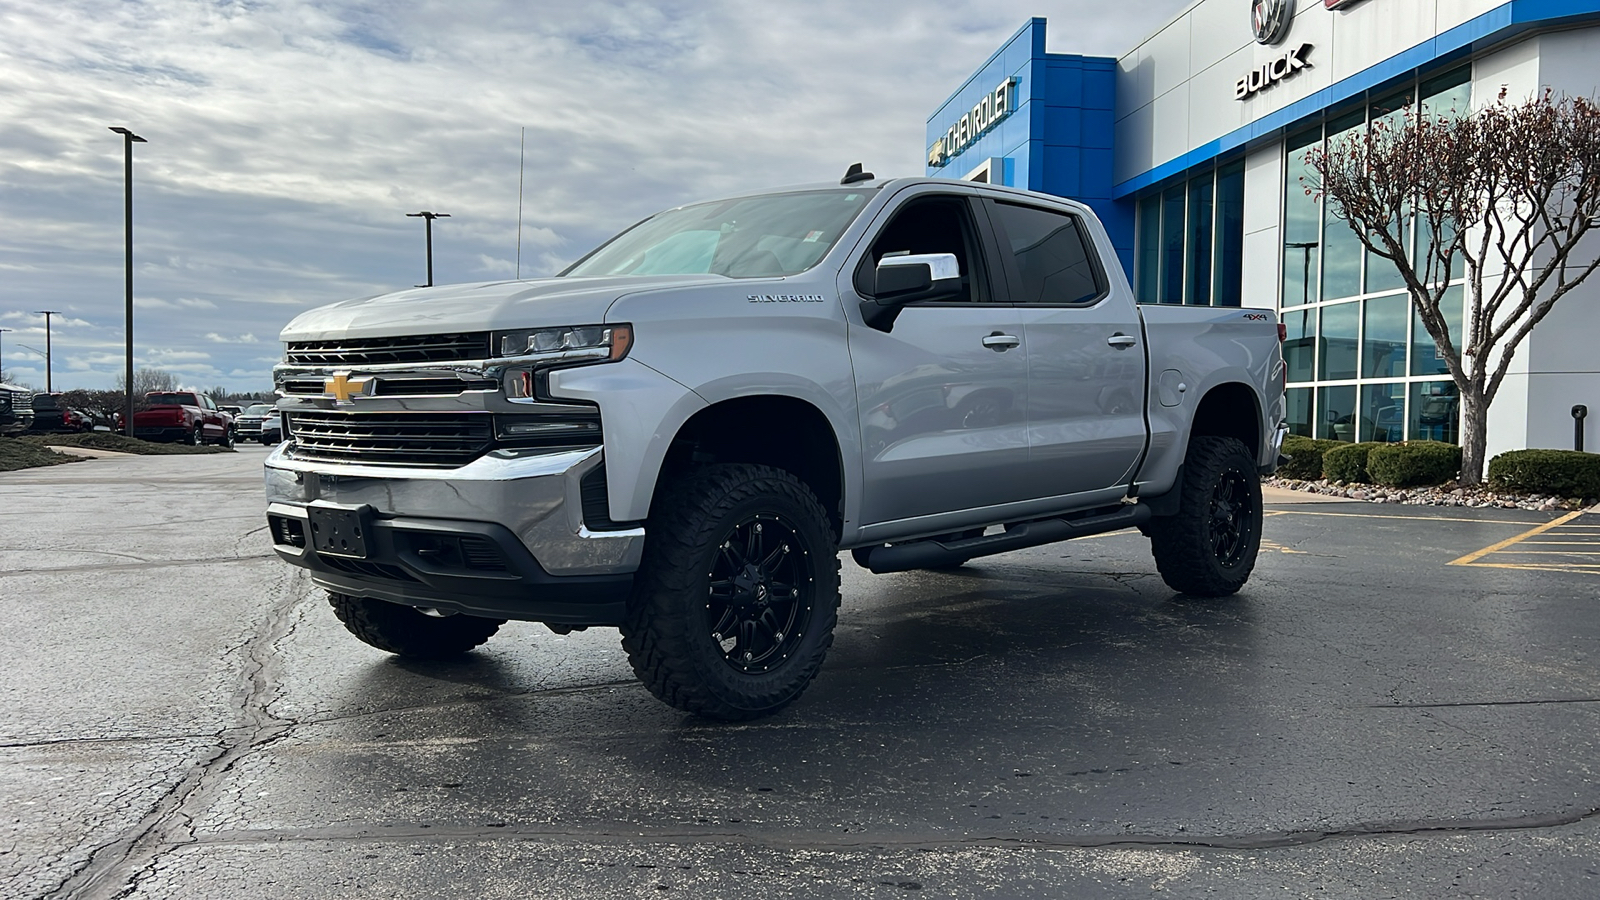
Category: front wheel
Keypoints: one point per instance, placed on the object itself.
(227, 438)
(409, 632)
(737, 596)
(1209, 547)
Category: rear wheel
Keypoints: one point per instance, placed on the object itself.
(737, 596)
(1209, 547)
(405, 631)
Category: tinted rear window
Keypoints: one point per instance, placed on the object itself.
(173, 400)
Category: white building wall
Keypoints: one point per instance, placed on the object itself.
(1178, 84)
(1263, 215)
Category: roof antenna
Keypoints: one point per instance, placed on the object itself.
(854, 174)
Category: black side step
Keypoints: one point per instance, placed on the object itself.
(926, 554)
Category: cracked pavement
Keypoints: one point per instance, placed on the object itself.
(183, 716)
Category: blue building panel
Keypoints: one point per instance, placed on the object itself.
(1056, 139)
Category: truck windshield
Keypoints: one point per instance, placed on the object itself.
(749, 237)
(260, 409)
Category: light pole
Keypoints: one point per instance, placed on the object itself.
(128, 140)
(3, 349)
(428, 217)
(49, 388)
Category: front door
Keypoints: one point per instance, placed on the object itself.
(942, 395)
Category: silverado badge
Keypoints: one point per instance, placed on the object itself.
(342, 387)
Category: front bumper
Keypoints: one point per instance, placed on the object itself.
(503, 535)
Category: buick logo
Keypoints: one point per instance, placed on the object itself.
(1270, 19)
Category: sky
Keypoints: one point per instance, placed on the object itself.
(287, 139)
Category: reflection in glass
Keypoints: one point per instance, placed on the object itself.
(1149, 265)
(1336, 416)
(1298, 411)
(1341, 249)
(1426, 359)
(1172, 245)
(1301, 215)
(1383, 412)
(1230, 235)
(1390, 115)
(1338, 344)
(1300, 344)
(1199, 242)
(1383, 340)
(1435, 412)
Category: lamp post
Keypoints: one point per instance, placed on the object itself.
(3, 350)
(427, 218)
(49, 388)
(128, 140)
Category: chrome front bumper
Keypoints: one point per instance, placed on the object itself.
(529, 504)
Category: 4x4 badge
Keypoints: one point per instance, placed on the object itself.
(342, 387)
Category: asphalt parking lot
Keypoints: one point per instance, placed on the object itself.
(1404, 702)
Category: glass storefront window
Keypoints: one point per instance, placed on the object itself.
(1341, 249)
(1340, 324)
(1435, 412)
(1383, 339)
(1300, 344)
(1449, 94)
(1336, 413)
(1297, 403)
(1198, 241)
(1149, 264)
(1302, 215)
(1172, 245)
(1383, 412)
(1425, 356)
(1391, 114)
(1230, 235)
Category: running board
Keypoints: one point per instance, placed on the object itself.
(929, 554)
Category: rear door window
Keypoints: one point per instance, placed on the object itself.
(1053, 259)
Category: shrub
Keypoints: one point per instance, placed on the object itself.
(1305, 457)
(1564, 473)
(1413, 463)
(1348, 463)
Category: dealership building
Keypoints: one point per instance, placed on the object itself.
(1191, 147)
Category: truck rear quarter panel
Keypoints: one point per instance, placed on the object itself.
(1205, 347)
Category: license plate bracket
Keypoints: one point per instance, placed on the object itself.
(339, 531)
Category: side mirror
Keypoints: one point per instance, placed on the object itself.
(899, 280)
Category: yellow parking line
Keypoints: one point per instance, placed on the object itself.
(1304, 512)
(1532, 532)
(1572, 569)
(1551, 552)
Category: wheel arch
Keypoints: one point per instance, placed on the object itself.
(778, 430)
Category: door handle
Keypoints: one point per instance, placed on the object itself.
(1000, 343)
(1122, 341)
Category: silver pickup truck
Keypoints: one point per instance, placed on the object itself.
(678, 434)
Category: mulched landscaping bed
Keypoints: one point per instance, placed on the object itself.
(1448, 494)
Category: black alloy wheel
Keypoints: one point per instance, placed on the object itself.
(760, 598)
(1209, 547)
(737, 595)
(197, 437)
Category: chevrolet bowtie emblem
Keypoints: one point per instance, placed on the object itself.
(342, 387)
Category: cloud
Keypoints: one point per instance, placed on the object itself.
(288, 138)
(215, 338)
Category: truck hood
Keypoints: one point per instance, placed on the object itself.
(486, 306)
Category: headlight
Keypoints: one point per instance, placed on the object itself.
(577, 344)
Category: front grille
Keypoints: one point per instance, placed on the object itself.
(369, 569)
(439, 440)
(421, 348)
(395, 387)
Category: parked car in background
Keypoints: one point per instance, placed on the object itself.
(185, 416)
(49, 414)
(16, 409)
(248, 423)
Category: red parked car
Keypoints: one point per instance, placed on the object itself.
(185, 416)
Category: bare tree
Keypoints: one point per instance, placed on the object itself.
(147, 380)
(1504, 196)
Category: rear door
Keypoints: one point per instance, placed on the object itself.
(943, 414)
(1086, 360)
